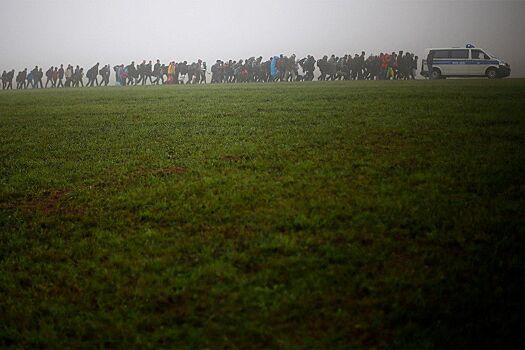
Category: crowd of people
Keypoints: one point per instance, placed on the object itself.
(282, 68)
(56, 77)
(394, 66)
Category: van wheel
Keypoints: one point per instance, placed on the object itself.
(492, 73)
(436, 74)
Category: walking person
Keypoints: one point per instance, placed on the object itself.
(78, 76)
(32, 77)
(9, 81)
(54, 76)
(21, 79)
(69, 75)
(49, 76)
(148, 72)
(203, 73)
(92, 74)
(81, 77)
(60, 76)
(38, 80)
(430, 63)
(4, 80)
(29, 80)
(104, 73)
(413, 73)
(157, 72)
(141, 68)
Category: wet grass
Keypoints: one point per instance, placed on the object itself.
(317, 215)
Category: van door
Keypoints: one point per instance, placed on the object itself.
(479, 63)
(459, 59)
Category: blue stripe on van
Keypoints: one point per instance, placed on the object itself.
(475, 62)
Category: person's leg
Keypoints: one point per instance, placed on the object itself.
(429, 66)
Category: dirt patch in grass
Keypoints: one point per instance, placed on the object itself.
(234, 158)
(169, 171)
(51, 202)
(161, 171)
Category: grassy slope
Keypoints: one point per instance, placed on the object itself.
(312, 215)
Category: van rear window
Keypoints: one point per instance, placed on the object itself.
(440, 53)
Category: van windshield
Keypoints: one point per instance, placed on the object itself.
(490, 54)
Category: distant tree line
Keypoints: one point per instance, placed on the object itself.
(394, 66)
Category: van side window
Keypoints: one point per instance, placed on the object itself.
(441, 53)
(478, 54)
(463, 54)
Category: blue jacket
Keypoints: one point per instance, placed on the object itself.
(273, 67)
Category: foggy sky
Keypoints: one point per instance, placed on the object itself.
(50, 32)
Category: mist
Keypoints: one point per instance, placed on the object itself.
(51, 32)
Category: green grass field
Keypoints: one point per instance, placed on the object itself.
(313, 215)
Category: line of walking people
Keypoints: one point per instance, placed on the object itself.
(384, 66)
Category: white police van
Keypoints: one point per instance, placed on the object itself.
(464, 62)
